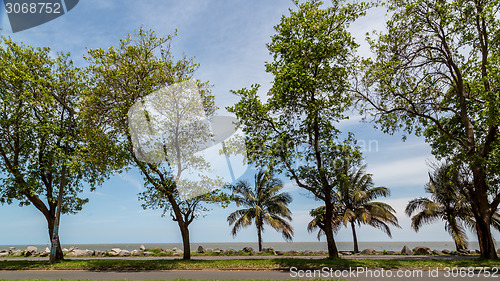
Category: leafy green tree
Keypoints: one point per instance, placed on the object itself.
(123, 77)
(355, 198)
(294, 130)
(41, 153)
(265, 204)
(436, 74)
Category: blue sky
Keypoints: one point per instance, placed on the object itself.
(228, 39)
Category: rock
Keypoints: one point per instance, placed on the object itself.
(16, 253)
(99, 253)
(323, 253)
(293, 252)
(208, 250)
(406, 251)
(142, 248)
(72, 248)
(308, 252)
(4, 254)
(368, 252)
(124, 253)
(346, 253)
(394, 252)
(45, 252)
(80, 253)
(65, 251)
(218, 251)
(177, 252)
(248, 250)
(269, 250)
(446, 252)
(136, 253)
(11, 249)
(116, 250)
(229, 252)
(201, 250)
(30, 251)
(422, 250)
(280, 253)
(148, 253)
(437, 252)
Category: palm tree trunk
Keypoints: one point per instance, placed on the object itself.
(259, 235)
(354, 238)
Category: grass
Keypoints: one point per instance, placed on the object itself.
(238, 264)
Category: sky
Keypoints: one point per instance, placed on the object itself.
(228, 39)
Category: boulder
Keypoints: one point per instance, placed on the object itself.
(136, 253)
(368, 251)
(308, 252)
(201, 250)
(30, 251)
(280, 253)
(11, 249)
(406, 251)
(65, 251)
(116, 250)
(229, 252)
(16, 253)
(446, 252)
(269, 250)
(3, 254)
(45, 252)
(142, 248)
(72, 248)
(394, 252)
(99, 253)
(208, 250)
(218, 251)
(148, 253)
(248, 250)
(177, 252)
(346, 253)
(124, 253)
(80, 253)
(293, 252)
(422, 250)
(437, 252)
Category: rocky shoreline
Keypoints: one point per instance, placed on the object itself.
(32, 251)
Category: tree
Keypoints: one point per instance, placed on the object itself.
(354, 204)
(294, 130)
(355, 199)
(265, 205)
(127, 76)
(436, 74)
(40, 153)
(447, 203)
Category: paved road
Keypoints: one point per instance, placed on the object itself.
(411, 275)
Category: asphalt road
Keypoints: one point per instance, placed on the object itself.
(407, 275)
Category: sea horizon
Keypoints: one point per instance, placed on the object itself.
(279, 246)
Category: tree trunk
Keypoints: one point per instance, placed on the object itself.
(481, 210)
(330, 240)
(59, 254)
(354, 238)
(185, 241)
(183, 225)
(259, 235)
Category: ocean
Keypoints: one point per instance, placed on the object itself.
(279, 246)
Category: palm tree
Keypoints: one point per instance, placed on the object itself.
(264, 205)
(354, 198)
(446, 203)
